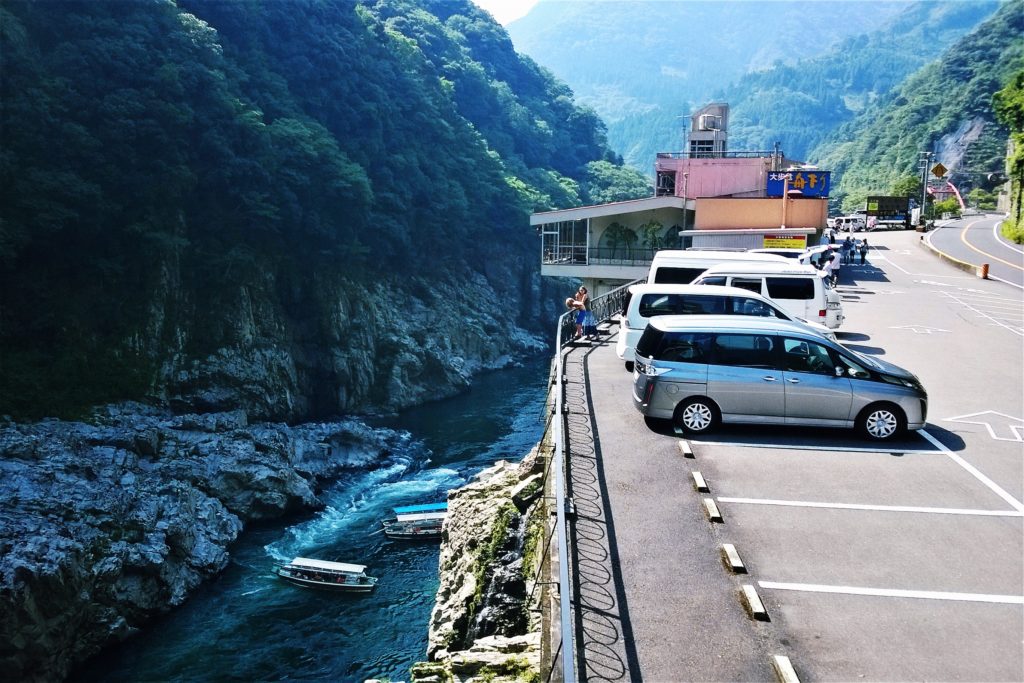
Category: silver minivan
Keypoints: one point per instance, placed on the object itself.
(761, 370)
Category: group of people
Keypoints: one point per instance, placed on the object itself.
(848, 250)
(586, 325)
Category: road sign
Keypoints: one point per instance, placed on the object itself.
(938, 170)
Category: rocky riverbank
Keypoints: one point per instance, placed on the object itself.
(482, 626)
(110, 522)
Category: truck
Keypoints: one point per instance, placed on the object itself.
(887, 212)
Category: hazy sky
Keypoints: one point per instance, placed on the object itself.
(505, 11)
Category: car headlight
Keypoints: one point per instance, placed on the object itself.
(911, 382)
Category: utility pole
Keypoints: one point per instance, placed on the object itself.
(925, 159)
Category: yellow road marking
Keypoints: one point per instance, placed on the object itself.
(963, 238)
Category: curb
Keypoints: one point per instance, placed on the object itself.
(962, 265)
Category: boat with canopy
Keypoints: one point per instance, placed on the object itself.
(335, 576)
(417, 522)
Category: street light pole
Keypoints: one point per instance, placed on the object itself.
(925, 162)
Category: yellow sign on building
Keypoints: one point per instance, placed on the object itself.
(785, 241)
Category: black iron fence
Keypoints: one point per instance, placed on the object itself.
(604, 308)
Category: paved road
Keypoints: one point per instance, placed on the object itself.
(880, 564)
(977, 240)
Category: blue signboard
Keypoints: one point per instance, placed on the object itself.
(809, 183)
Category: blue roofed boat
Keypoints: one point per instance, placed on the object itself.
(417, 522)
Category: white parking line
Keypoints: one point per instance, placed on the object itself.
(801, 447)
(893, 264)
(879, 508)
(894, 593)
(994, 487)
(986, 315)
(983, 298)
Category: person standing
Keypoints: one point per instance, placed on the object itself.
(846, 250)
(863, 250)
(582, 304)
(831, 268)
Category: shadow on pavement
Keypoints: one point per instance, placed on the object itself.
(950, 440)
(788, 436)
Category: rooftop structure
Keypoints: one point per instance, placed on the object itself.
(705, 196)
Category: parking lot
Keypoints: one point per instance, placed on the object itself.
(892, 563)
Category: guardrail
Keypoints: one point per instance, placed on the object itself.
(603, 307)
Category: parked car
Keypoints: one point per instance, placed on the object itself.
(850, 223)
(814, 255)
(800, 290)
(706, 370)
(786, 252)
(646, 301)
(680, 267)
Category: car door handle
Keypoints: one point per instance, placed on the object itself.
(792, 380)
(769, 378)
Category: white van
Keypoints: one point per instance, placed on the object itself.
(648, 301)
(680, 267)
(850, 223)
(802, 291)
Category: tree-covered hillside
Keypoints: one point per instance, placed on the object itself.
(287, 206)
(645, 66)
(945, 108)
(798, 104)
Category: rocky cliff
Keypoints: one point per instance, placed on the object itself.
(108, 523)
(485, 624)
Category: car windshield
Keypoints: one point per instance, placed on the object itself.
(867, 360)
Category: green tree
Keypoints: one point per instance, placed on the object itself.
(907, 186)
(1009, 107)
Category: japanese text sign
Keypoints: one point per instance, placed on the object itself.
(809, 183)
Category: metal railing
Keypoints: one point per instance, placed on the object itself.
(710, 154)
(571, 255)
(603, 307)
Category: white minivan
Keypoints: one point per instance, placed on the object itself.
(680, 267)
(647, 301)
(802, 291)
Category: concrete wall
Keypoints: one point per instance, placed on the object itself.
(717, 214)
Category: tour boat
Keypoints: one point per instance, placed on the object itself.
(417, 522)
(336, 576)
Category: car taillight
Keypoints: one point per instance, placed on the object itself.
(648, 392)
(821, 313)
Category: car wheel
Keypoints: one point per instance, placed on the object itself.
(881, 421)
(629, 366)
(697, 415)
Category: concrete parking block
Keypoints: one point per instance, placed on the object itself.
(754, 604)
(712, 509)
(732, 559)
(784, 669)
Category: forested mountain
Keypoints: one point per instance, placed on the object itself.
(945, 108)
(645, 66)
(296, 208)
(799, 103)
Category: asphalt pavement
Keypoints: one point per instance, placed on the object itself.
(893, 563)
(976, 240)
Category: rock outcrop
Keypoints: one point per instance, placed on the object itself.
(482, 626)
(108, 523)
